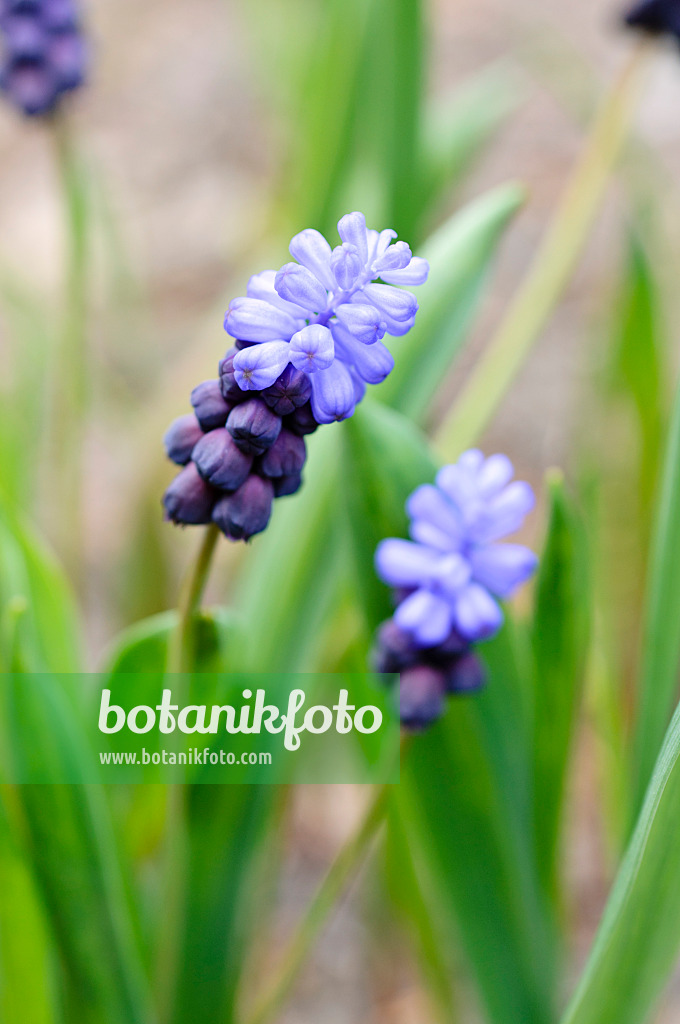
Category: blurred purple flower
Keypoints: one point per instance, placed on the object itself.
(657, 17)
(453, 569)
(326, 315)
(43, 53)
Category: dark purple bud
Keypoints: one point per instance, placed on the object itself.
(656, 17)
(422, 692)
(220, 462)
(247, 511)
(302, 421)
(228, 386)
(254, 426)
(290, 391)
(452, 647)
(181, 437)
(466, 674)
(31, 86)
(286, 457)
(189, 499)
(285, 485)
(23, 6)
(209, 405)
(394, 649)
(238, 345)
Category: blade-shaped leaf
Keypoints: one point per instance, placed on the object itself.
(661, 633)
(222, 826)
(296, 567)
(460, 254)
(559, 637)
(26, 995)
(459, 124)
(639, 936)
(455, 806)
(386, 458)
(47, 628)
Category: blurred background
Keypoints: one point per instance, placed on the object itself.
(202, 127)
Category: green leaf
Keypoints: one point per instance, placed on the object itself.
(459, 124)
(26, 995)
(416, 900)
(67, 830)
(225, 825)
(221, 827)
(386, 458)
(638, 940)
(661, 632)
(143, 647)
(454, 802)
(296, 568)
(397, 94)
(460, 254)
(559, 638)
(72, 849)
(44, 635)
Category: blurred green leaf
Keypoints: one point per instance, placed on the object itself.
(458, 125)
(396, 92)
(29, 336)
(221, 827)
(636, 365)
(66, 830)
(26, 990)
(661, 631)
(559, 637)
(415, 898)
(224, 827)
(296, 567)
(455, 805)
(386, 458)
(637, 943)
(460, 254)
(143, 647)
(46, 631)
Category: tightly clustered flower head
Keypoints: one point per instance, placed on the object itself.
(656, 17)
(307, 341)
(43, 53)
(448, 579)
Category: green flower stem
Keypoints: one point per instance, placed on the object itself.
(551, 268)
(70, 370)
(343, 868)
(181, 649)
(331, 889)
(181, 659)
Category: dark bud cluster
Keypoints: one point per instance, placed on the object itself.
(240, 450)
(426, 675)
(656, 17)
(43, 53)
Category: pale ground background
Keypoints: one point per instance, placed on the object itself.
(177, 117)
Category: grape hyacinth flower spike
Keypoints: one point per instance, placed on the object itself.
(43, 53)
(448, 578)
(308, 339)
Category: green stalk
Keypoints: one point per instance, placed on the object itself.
(70, 370)
(552, 267)
(181, 659)
(345, 865)
(181, 649)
